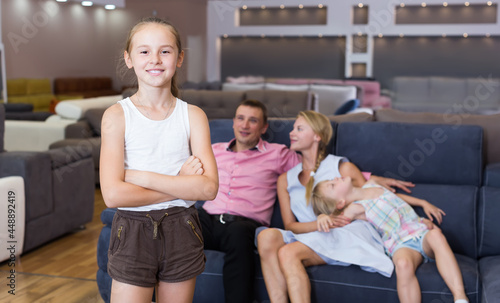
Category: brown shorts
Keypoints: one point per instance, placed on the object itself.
(162, 245)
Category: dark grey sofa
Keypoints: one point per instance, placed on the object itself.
(447, 165)
(59, 189)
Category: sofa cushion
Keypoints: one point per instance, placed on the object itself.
(75, 109)
(446, 91)
(352, 117)
(489, 268)
(489, 123)
(481, 92)
(409, 90)
(282, 103)
(242, 86)
(421, 153)
(459, 202)
(17, 87)
(215, 103)
(331, 97)
(488, 222)
(39, 86)
(276, 86)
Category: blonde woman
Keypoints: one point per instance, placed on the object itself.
(286, 253)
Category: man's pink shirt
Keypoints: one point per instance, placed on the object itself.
(247, 179)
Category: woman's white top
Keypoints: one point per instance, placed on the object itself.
(157, 146)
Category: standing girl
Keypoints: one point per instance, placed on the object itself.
(156, 238)
(408, 239)
(285, 254)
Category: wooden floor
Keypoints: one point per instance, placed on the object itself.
(61, 271)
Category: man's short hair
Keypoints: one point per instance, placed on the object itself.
(256, 104)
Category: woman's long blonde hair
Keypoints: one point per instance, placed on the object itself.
(322, 127)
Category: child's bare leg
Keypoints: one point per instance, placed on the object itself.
(406, 261)
(269, 242)
(294, 258)
(123, 292)
(180, 291)
(436, 247)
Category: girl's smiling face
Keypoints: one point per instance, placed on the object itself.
(154, 55)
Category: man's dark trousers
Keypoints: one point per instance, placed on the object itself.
(235, 238)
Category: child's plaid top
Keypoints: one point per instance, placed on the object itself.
(394, 219)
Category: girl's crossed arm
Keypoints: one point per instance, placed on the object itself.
(202, 186)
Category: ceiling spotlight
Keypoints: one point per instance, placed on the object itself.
(225, 36)
(320, 5)
(87, 3)
(282, 6)
(467, 3)
(489, 3)
(401, 35)
(402, 5)
(61, 0)
(360, 5)
(424, 4)
(301, 6)
(263, 6)
(466, 35)
(320, 35)
(110, 6)
(488, 35)
(445, 4)
(380, 35)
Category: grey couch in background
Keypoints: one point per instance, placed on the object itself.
(446, 94)
(59, 189)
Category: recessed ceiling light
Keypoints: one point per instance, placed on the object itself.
(360, 5)
(466, 35)
(62, 0)
(445, 4)
(87, 3)
(402, 5)
(282, 6)
(244, 7)
(320, 5)
(424, 4)
(110, 6)
(301, 6)
(467, 3)
(489, 3)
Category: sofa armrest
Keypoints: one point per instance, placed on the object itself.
(35, 168)
(78, 130)
(492, 175)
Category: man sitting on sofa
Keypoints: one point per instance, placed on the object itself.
(249, 168)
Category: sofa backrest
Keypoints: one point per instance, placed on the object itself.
(445, 165)
(421, 153)
(489, 123)
(215, 104)
(280, 103)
